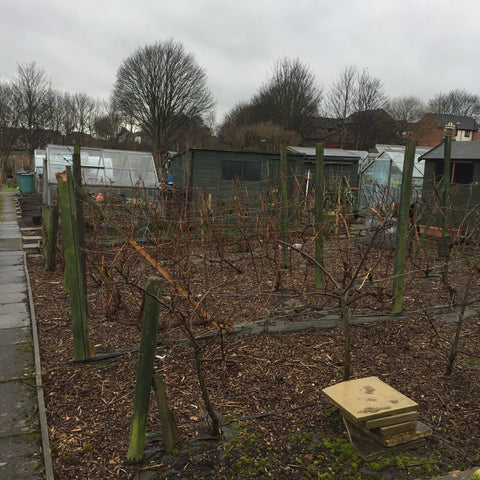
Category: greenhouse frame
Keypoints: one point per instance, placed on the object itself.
(381, 177)
(118, 170)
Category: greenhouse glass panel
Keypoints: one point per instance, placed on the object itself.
(100, 167)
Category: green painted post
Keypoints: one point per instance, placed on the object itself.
(284, 210)
(49, 232)
(74, 277)
(77, 178)
(402, 228)
(319, 196)
(445, 196)
(146, 359)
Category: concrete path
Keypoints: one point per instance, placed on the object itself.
(22, 416)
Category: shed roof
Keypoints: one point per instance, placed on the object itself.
(460, 151)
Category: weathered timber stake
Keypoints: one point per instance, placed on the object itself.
(49, 232)
(402, 228)
(443, 244)
(146, 359)
(74, 278)
(284, 204)
(171, 434)
(77, 178)
(143, 253)
(319, 196)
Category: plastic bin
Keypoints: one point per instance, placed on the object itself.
(25, 182)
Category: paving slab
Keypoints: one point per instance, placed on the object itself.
(368, 398)
(18, 407)
(12, 307)
(15, 363)
(465, 475)
(20, 459)
(12, 277)
(12, 336)
(14, 320)
(11, 258)
(18, 287)
(12, 297)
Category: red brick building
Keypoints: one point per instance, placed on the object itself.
(431, 129)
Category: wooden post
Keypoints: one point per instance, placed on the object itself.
(402, 228)
(77, 178)
(146, 359)
(49, 231)
(171, 434)
(284, 205)
(319, 196)
(445, 196)
(74, 277)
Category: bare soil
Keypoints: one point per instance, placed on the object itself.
(266, 387)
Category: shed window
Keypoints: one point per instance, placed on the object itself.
(232, 170)
(247, 171)
(460, 172)
(251, 171)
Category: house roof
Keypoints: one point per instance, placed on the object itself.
(460, 151)
(461, 122)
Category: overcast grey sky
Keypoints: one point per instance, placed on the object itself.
(415, 47)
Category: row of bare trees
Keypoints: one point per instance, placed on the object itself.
(161, 96)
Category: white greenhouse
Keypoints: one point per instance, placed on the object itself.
(120, 170)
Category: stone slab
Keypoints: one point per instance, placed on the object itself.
(368, 398)
(391, 420)
(13, 277)
(17, 406)
(12, 336)
(398, 428)
(12, 297)
(15, 320)
(20, 459)
(14, 307)
(11, 258)
(458, 475)
(18, 287)
(11, 244)
(369, 449)
(16, 361)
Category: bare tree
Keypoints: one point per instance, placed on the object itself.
(406, 110)
(107, 123)
(162, 89)
(339, 103)
(8, 123)
(455, 102)
(291, 97)
(32, 94)
(369, 98)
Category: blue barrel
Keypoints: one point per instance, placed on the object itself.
(25, 182)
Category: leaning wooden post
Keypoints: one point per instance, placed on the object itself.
(402, 228)
(445, 196)
(319, 196)
(74, 277)
(146, 359)
(171, 434)
(284, 204)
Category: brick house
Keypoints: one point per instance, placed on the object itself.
(431, 129)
